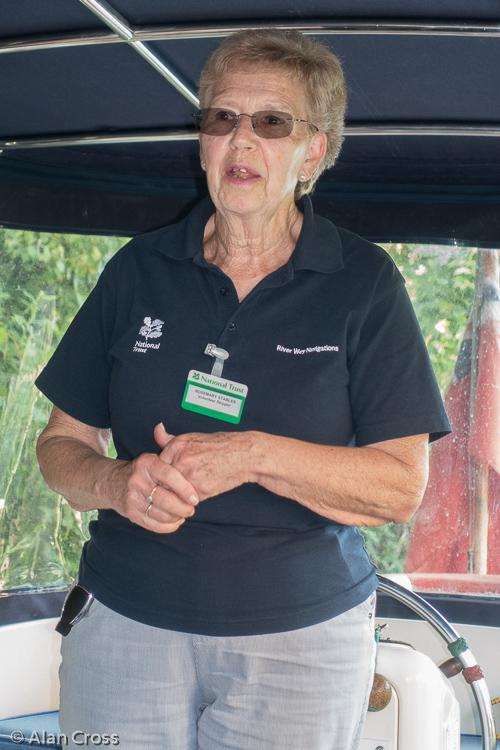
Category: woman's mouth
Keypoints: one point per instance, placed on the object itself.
(238, 174)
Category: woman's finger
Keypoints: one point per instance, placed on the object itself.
(164, 504)
(162, 527)
(171, 479)
(161, 512)
(149, 471)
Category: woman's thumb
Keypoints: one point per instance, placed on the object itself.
(161, 436)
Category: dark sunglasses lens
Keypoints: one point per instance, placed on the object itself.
(76, 602)
(267, 124)
(75, 606)
(215, 121)
(271, 124)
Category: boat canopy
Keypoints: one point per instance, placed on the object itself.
(96, 135)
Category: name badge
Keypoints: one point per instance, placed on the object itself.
(215, 397)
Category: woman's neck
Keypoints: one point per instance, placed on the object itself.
(249, 248)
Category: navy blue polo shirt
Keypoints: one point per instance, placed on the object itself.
(331, 352)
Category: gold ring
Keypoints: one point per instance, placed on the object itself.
(149, 498)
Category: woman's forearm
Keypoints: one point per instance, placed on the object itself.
(365, 486)
(74, 463)
(79, 472)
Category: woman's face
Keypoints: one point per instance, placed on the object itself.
(273, 166)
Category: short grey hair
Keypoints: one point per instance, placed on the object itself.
(291, 53)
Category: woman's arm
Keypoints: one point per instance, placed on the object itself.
(73, 461)
(365, 486)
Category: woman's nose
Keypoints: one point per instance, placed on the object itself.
(243, 133)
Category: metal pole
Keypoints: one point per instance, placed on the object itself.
(450, 635)
(478, 472)
(481, 520)
(120, 26)
(179, 134)
(176, 31)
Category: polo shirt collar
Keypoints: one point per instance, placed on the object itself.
(318, 248)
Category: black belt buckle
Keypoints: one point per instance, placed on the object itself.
(76, 605)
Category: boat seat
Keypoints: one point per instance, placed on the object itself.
(470, 742)
(41, 728)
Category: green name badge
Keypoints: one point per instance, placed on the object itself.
(214, 397)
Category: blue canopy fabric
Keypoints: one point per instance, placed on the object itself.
(436, 188)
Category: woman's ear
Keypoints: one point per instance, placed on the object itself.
(315, 154)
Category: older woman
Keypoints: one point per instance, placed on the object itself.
(267, 389)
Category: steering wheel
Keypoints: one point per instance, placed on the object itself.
(449, 635)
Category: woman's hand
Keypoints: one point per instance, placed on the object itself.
(213, 463)
(73, 460)
(150, 493)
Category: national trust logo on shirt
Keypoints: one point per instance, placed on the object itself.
(150, 330)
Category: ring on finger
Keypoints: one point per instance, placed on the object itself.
(149, 498)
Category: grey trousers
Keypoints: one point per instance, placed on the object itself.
(137, 687)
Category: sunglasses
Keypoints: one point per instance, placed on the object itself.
(266, 124)
(76, 605)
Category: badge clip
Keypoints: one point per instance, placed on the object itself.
(220, 357)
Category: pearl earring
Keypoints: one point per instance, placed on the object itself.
(303, 177)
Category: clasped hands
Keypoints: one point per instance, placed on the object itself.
(194, 467)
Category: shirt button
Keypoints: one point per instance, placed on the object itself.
(231, 326)
(224, 290)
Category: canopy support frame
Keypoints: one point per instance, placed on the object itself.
(120, 26)
(158, 33)
(179, 134)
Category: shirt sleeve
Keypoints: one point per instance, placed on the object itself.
(393, 389)
(76, 378)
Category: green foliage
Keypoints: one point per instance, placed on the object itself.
(388, 545)
(45, 279)
(440, 283)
